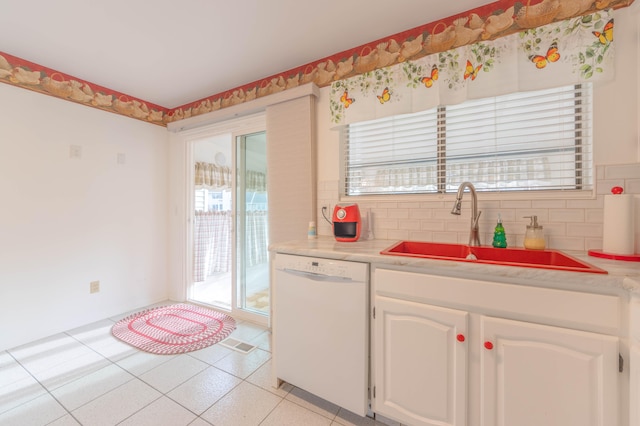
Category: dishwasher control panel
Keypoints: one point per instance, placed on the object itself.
(328, 267)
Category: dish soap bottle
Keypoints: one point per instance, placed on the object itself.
(499, 237)
(533, 238)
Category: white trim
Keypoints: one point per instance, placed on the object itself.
(482, 195)
(249, 121)
(244, 109)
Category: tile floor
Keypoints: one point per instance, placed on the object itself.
(87, 377)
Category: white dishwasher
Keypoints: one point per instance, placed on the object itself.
(321, 328)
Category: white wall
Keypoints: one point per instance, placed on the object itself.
(569, 224)
(66, 222)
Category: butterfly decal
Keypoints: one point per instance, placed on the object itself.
(471, 71)
(606, 36)
(552, 56)
(386, 95)
(428, 81)
(346, 100)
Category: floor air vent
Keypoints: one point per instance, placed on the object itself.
(237, 345)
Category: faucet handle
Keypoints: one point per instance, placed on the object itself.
(475, 220)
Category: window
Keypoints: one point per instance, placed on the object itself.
(207, 200)
(518, 142)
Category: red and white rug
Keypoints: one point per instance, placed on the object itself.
(174, 329)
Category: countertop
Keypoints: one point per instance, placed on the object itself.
(622, 276)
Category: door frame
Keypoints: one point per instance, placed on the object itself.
(235, 127)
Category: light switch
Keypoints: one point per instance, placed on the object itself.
(75, 151)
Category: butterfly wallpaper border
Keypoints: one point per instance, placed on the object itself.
(566, 52)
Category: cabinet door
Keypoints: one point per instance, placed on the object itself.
(536, 375)
(420, 363)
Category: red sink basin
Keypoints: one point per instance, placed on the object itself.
(546, 259)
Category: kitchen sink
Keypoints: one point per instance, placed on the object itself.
(545, 259)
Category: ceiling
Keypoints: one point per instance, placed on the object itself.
(171, 52)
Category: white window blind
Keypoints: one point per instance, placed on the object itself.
(524, 141)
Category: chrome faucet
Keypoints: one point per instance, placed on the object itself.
(474, 235)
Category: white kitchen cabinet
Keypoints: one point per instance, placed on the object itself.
(421, 362)
(634, 392)
(453, 351)
(536, 375)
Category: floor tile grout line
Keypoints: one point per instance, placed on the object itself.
(49, 392)
(166, 394)
(271, 411)
(142, 408)
(112, 363)
(306, 408)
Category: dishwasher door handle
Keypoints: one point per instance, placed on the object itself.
(317, 277)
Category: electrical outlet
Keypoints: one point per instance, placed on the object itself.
(94, 287)
(326, 212)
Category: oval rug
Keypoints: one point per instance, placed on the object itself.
(174, 329)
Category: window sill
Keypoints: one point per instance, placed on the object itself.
(484, 196)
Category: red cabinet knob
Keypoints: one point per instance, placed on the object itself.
(488, 345)
(460, 337)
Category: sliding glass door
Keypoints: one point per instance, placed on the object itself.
(252, 248)
(229, 236)
(212, 247)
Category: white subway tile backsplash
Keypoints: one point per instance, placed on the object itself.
(569, 224)
(566, 215)
(515, 204)
(548, 204)
(397, 234)
(420, 213)
(593, 243)
(432, 225)
(566, 243)
(491, 215)
(387, 205)
(391, 224)
(448, 237)
(442, 214)
(382, 234)
(409, 224)
(594, 203)
(524, 214)
(624, 171)
(551, 229)
(594, 215)
(421, 235)
(489, 204)
(584, 230)
(410, 205)
(433, 205)
(380, 213)
(398, 213)
(632, 186)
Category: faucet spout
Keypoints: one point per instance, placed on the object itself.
(474, 234)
